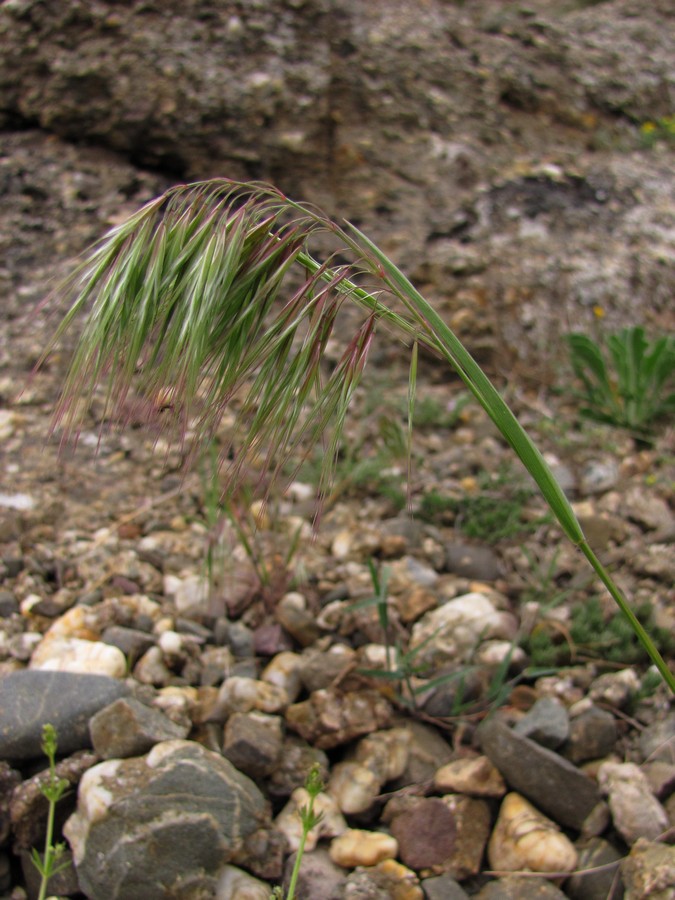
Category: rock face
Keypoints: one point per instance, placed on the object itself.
(426, 124)
(162, 825)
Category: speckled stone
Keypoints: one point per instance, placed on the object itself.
(31, 698)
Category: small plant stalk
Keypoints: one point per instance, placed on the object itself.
(309, 819)
(53, 790)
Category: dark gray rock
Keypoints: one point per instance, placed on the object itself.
(253, 743)
(550, 782)
(518, 888)
(162, 825)
(592, 735)
(547, 723)
(443, 887)
(131, 641)
(473, 561)
(9, 779)
(657, 741)
(130, 728)
(604, 884)
(30, 699)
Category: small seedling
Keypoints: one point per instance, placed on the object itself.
(630, 385)
(48, 864)
(310, 819)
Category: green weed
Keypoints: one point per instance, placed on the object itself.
(590, 634)
(629, 382)
(48, 864)
(309, 819)
(496, 511)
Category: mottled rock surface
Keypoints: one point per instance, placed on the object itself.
(161, 824)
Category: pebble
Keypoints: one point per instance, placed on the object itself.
(551, 782)
(319, 876)
(657, 741)
(473, 819)
(356, 847)
(152, 669)
(294, 614)
(31, 698)
(635, 810)
(385, 753)
(596, 853)
(63, 654)
(615, 688)
(592, 735)
(236, 884)
(321, 668)
(239, 694)
(330, 825)
(253, 742)
(523, 838)
(515, 887)
(599, 476)
(547, 723)
(443, 887)
(147, 826)
(425, 832)
(130, 728)
(473, 561)
(649, 871)
(354, 786)
(388, 879)
(450, 633)
(296, 759)
(475, 776)
(331, 717)
(284, 671)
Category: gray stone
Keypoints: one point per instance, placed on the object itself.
(635, 810)
(657, 741)
(443, 887)
(604, 884)
(473, 561)
(130, 728)
(30, 699)
(428, 752)
(162, 825)
(547, 723)
(592, 735)
(131, 641)
(319, 876)
(518, 888)
(552, 783)
(253, 742)
(296, 759)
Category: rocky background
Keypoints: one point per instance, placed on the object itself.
(509, 158)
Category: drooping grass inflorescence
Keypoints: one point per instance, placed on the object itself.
(211, 298)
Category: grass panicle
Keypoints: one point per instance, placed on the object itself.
(193, 302)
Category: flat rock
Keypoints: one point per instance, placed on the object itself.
(425, 833)
(30, 699)
(163, 824)
(552, 783)
(547, 723)
(130, 728)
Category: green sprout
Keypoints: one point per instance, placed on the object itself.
(54, 789)
(309, 819)
(182, 302)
